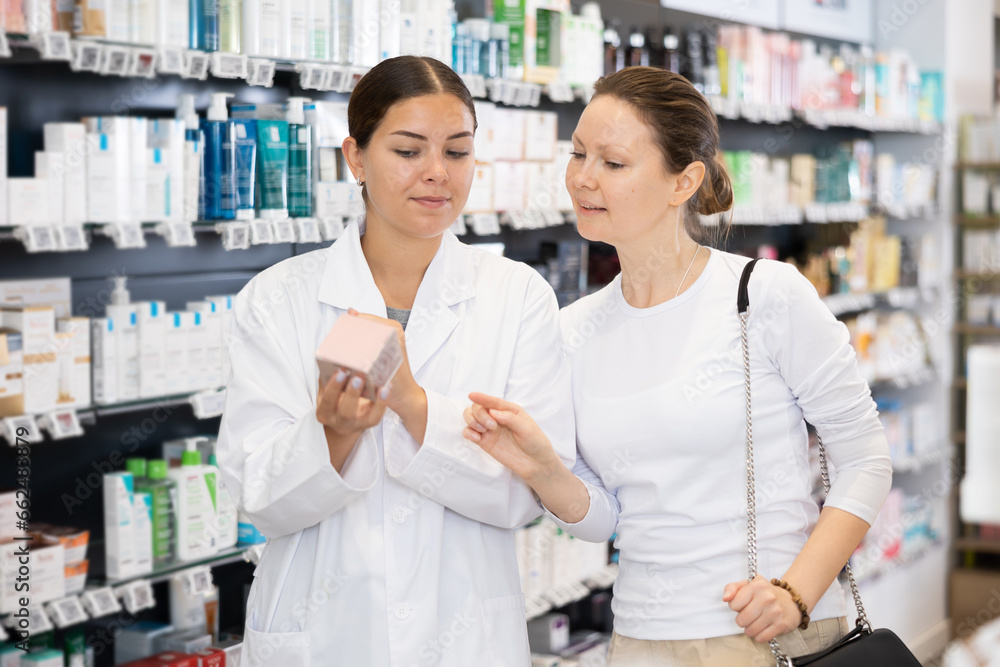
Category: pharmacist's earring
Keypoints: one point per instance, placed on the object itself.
(360, 182)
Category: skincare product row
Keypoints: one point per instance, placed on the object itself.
(906, 525)
(747, 64)
(890, 346)
(549, 558)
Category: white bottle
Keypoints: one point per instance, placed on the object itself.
(124, 317)
(196, 488)
(227, 519)
(194, 146)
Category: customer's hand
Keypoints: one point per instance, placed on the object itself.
(511, 436)
(763, 610)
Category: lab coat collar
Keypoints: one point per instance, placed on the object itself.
(348, 283)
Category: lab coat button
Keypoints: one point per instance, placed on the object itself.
(399, 516)
(395, 420)
(402, 612)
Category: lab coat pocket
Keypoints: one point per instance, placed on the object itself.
(262, 649)
(506, 631)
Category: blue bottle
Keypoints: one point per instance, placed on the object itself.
(208, 25)
(220, 161)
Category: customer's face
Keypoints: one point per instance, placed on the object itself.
(418, 166)
(616, 177)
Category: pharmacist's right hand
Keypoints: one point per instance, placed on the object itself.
(341, 408)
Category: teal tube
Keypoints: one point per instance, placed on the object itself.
(272, 158)
(246, 167)
(300, 171)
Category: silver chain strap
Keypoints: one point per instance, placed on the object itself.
(782, 659)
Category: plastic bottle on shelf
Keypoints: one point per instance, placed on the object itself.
(226, 516)
(500, 34)
(299, 160)
(194, 149)
(195, 535)
(637, 55)
(671, 52)
(208, 25)
(229, 21)
(121, 311)
(614, 54)
(163, 493)
(220, 160)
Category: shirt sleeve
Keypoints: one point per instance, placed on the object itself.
(273, 453)
(601, 520)
(457, 473)
(812, 351)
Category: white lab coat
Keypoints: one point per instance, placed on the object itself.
(407, 556)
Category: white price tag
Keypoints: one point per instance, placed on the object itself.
(136, 596)
(235, 235)
(195, 65)
(4, 46)
(142, 63)
(560, 92)
(335, 78)
(536, 219)
(100, 602)
(114, 61)
(331, 228)
(196, 581)
(177, 234)
(126, 235)
(3, 634)
(458, 227)
(229, 65)
(534, 95)
(86, 56)
(476, 84)
(260, 72)
(53, 45)
(261, 232)
(353, 76)
(509, 93)
(485, 224)
(71, 237)
(37, 239)
(66, 611)
(284, 231)
(170, 61)
(207, 404)
(518, 220)
(553, 218)
(308, 230)
(312, 76)
(12, 427)
(61, 424)
(39, 621)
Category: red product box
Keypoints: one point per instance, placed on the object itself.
(211, 657)
(166, 660)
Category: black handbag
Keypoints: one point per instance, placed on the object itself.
(863, 646)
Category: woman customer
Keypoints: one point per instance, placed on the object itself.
(658, 390)
(390, 536)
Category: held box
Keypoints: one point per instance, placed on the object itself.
(361, 346)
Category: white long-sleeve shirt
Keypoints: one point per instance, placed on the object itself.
(661, 417)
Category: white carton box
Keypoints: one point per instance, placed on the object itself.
(109, 181)
(541, 129)
(212, 340)
(481, 195)
(179, 326)
(105, 361)
(152, 331)
(41, 369)
(11, 376)
(48, 577)
(79, 330)
(48, 167)
(224, 306)
(508, 134)
(70, 140)
(53, 292)
(486, 132)
(28, 202)
(510, 186)
(119, 524)
(8, 514)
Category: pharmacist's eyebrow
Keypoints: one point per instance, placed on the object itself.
(420, 137)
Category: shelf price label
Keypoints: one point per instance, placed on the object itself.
(308, 230)
(283, 231)
(4, 46)
(331, 228)
(207, 404)
(170, 61)
(10, 427)
(126, 235)
(485, 224)
(136, 595)
(560, 92)
(196, 581)
(260, 72)
(114, 61)
(86, 56)
(458, 227)
(261, 232)
(235, 235)
(336, 79)
(553, 218)
(195, 65)
(100, 602)
(66, 611)
(476, 84)
(71, 237)
(177, 234)
(54, 45)
(312, 76)
(229, 65)
(142, 63)
(37, 239)
(61, 424)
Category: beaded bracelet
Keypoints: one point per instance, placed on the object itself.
(781, 583)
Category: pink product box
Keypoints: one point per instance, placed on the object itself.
(363, 347)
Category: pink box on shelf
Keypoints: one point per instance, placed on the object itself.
(363, 347)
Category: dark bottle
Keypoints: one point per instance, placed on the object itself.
(671, 52)
(694, 68)
(713, 83)
(614, 54)
(637, 55)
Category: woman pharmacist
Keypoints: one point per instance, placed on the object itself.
(658, 387)
(390, 535)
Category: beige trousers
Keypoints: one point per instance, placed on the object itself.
(730, 651)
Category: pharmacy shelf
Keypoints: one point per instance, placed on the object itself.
(918, 462)
(984, 166)
(986, 221)
(734, 109)
(963, 274)
(977, 544)
(561, 596)
(886, 567)
(975, 329)
(895, 298)
(917, 378)
(164, 572)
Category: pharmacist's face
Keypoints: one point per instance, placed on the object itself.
(418, 166)
(616, 176)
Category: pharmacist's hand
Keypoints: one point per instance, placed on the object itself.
(341, 408)
(511, 436)
(763, 610)
(406, 398)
